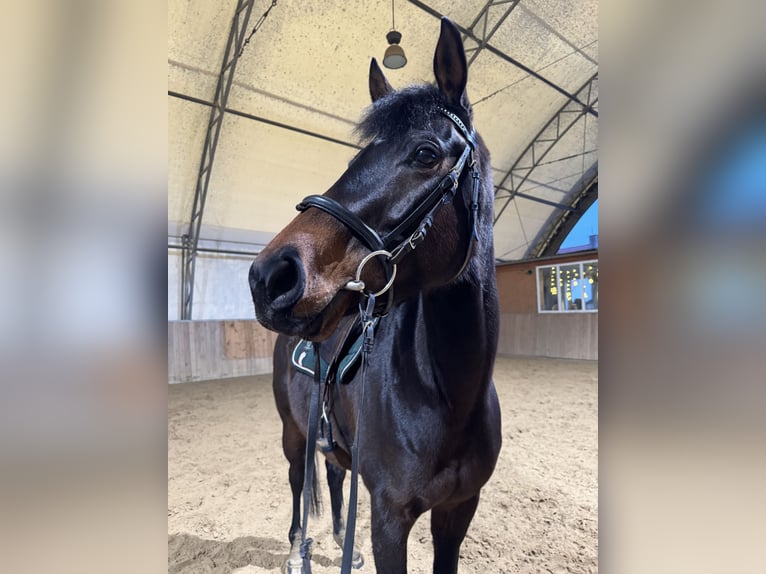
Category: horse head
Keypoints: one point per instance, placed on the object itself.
(420, 152)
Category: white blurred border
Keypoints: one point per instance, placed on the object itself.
(82, 336)
(682, 334)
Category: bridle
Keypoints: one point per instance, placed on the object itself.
(410, 232)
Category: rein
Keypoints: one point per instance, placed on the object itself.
(392, 248)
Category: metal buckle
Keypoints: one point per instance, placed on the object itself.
(416, 238)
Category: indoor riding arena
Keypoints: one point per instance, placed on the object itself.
(263, 101)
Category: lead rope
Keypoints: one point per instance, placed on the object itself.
(308, 474)
(368, 332)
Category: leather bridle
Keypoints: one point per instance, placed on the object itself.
(410, 232)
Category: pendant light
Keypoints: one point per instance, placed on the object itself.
(394, 57)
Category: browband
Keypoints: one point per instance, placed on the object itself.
(470, 136)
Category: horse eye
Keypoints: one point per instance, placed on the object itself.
(426, 156)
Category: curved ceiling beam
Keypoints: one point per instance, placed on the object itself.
(553, 233)
(544, 142)
(486, 35)
(190, 240)
(499, 53)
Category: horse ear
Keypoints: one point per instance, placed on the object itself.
(450, 67)
(379, 85)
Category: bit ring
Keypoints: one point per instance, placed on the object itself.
(358, 285)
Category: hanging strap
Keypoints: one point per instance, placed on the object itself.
(309, 469)
(368, 332)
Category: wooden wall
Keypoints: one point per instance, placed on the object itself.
(524, 331)
(202, 350)
(567, 336)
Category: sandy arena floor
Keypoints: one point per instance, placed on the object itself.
(229, 501)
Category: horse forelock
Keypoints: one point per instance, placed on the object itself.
(395, 114)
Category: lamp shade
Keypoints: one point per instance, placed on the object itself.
(394, 57)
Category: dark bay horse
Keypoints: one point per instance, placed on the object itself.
(420, 192)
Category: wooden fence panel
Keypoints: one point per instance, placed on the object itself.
(203, 350)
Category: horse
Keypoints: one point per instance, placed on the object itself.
(408, 225)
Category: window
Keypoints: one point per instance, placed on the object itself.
(568, 288)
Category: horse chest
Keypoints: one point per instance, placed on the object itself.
(426, 487)
(429, 467)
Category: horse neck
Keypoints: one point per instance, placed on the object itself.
(461, 323)
(462, 318)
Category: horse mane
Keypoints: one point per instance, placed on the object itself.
(414, 107)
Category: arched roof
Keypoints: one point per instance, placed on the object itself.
(300, 84)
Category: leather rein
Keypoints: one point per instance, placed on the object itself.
(410, 232)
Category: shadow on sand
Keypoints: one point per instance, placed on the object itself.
(188, 554)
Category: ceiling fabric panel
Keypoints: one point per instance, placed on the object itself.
(306, 68)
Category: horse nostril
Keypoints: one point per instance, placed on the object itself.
(284, 281)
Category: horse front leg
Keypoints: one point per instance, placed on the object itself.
(335, 478)
(294, 446)
(391, 525)
(449, 525)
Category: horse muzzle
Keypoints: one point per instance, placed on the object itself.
(295, 300)
(277, 284)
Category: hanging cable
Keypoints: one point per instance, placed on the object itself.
(258, 24)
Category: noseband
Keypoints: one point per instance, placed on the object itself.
(410, 232)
